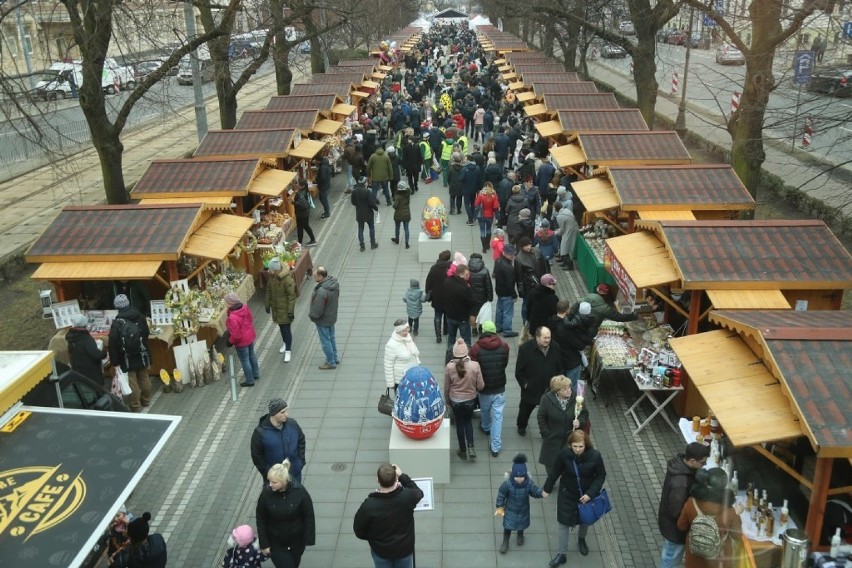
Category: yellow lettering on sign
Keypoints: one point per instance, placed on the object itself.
(16, 421)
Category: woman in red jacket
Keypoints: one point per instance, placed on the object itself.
(241, 335)
(487, 206)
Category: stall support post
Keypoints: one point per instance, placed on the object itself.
(819, 495)
(694, 312)
(232, 377)
(60, 291)
(173, 271)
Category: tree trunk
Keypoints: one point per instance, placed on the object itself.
(219, 47)
(106, 140)
(283, 78)
(548, 39)
(746, 125)
(644, 73)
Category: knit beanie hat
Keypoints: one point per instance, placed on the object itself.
(121, 301)
(138, 528)
(585, 308)
(524, 213)
(519, 466)
(460, 348)
(489, 327)
(414, 283)
(276, 405)
(232, 299)
(243, 535)
(79, 320)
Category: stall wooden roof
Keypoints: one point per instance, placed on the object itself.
(116, 233)
(757, 255)
(303, 120)
(557, 102)
(261, 142)
(197, 178)
(744, 396)
(342, 89)
(660, 189)
(358, 62)
(811, 352)
(327, 126)
(573, 122)
(303, 102)
(98, 270)
(530, 74)
(572, 88)
(307, 149)
(354, 77)
(633, 148)
(217, 236)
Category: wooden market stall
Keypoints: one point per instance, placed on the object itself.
(85, 249)
(552, 104)
(697, 266)
(623, 194)
(541, 89)
(338, 108)
(577, 121)
(775, 376)
(587, 151)
(302, 120)
(343, 89)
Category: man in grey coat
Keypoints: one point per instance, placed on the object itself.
(323, 313)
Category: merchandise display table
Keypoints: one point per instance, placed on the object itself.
(590, 265)
(649, 392)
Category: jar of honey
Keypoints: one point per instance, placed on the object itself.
(714, 424)
(696, 423)
(704, 427)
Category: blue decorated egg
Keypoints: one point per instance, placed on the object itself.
(419, 408)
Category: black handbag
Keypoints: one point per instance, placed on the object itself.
(385, 405)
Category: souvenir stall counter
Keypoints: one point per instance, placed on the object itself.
(86, 251)
(589, 256)
(765, 267)
(760, 355)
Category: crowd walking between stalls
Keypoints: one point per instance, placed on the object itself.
(441, 118)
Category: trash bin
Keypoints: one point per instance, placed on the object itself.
(794, 549)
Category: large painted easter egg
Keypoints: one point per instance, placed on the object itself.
(419, 407)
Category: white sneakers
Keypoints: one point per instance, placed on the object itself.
(283, 349)
(286, 356)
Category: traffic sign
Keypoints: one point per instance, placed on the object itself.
(803, 67)
(847, 30)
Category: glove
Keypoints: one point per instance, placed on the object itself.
(500, 512)
(268, 309)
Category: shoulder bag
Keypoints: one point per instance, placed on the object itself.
(385, 405)
(596, 508)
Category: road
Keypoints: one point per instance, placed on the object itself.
(61, 125)
(711, 85)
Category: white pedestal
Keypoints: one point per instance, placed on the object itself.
(422, 458)
(429, 249)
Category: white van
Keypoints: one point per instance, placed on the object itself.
(184, 76)
(56, 82)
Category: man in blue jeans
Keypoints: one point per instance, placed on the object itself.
(505, 287)
(680, 476)
(492, 354)
(323, 313)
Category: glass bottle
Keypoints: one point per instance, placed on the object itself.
(770, 519)
(785, 513)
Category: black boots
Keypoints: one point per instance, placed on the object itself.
(484, 241)
(505, 546)
(581, 546)
(566, 263)
(437, 331)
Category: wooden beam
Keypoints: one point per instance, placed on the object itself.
(161, 280)
(840, 490)
(819, 495)
(694, 307)
(674, 305)
(784, 467)
(173, 270)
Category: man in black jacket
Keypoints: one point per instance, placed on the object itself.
(458, 303)
(538, 362)
(680, 476)
(505, 287)
(492, 354)
(572, 334)
(365, 207)
(386, 518)
(133, 357)
(435, 291)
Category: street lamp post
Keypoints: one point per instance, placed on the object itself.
(680, 121)
(200, 108)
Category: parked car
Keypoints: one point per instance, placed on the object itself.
(663, 34)
(832, 81)
(727, 54)
(612, 51)
(184, 76)
(677, 37)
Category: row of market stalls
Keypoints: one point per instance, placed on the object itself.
(205, 226)
(756, 305)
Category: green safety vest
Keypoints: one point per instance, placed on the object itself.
(447, 150)
(462, 142)
(425, 151)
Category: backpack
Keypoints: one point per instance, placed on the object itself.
(131, 341)
(704, 538)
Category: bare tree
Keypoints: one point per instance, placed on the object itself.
(772, 23)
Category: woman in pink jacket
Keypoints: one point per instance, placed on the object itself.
(462, 381)
(241, 335)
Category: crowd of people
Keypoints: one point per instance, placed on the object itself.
(441, 117)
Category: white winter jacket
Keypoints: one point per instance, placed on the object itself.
(400, 355)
